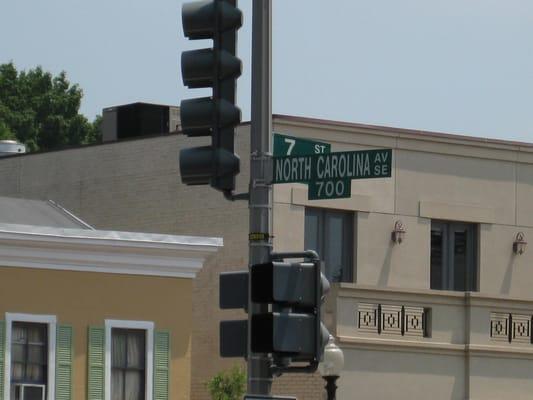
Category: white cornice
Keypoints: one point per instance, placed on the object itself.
(407, 139)
(395, 132)
(104, 251)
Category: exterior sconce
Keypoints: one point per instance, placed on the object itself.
(398, 234)
(519, 245)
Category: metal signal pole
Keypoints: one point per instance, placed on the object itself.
(259, 375)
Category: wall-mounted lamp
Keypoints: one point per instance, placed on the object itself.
(519, 245)
(398, 234)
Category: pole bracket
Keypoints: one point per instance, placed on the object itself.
(308, 254)
(265, 163)
(229, 195)
(306, 369)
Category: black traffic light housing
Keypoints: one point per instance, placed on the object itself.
(233, 294)
(215, 116)
(298, 284)
(293, 329)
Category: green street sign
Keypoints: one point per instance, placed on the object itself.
(330, 189)
(294, 146)
(329, 175)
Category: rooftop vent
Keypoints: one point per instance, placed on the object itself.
(11, 147)
(138, 119)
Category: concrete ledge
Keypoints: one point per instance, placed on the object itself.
(401, 345)
(500, 351)
(415, 296)
(428, 296)
(435, 348)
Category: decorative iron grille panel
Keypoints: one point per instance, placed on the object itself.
(388, 319)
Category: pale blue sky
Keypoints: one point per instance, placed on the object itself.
(458, 66)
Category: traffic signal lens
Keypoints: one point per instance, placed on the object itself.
(199, 18)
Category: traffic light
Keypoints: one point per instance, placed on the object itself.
(217, 115)
(233, 294)
(293, 329)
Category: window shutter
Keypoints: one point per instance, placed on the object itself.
(95, 367)
(64, 355)
(2, 355)
(161, 364)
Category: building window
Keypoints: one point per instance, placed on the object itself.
(454, 256)
(129, 360)
(128, 364)
(30, 357)
(28, 354)
(330, 234)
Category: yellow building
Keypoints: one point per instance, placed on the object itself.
(92, 314)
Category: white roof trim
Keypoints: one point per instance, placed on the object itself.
(104, 251)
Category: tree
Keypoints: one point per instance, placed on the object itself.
(228, 385)
(95, 134)
(42, 110)
(5, 132)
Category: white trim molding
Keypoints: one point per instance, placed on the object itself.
(104, 251)
(457, 212)
(147, 326)
(51, 321)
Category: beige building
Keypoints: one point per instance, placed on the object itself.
(445, 313)
(92, 314)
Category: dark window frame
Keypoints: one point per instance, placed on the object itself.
(27, 344)
(324, 216)
(443, 276)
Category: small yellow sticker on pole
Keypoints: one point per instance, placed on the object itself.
(258, 236)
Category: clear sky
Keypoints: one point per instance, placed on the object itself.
(457, 66)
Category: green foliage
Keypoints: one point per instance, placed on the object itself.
(227, 385)
(95, 134)
(42, 111)
(5, 132)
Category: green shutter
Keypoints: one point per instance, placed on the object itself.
(161, 364)
(64, 356)
(95, 367)
(2, 355)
